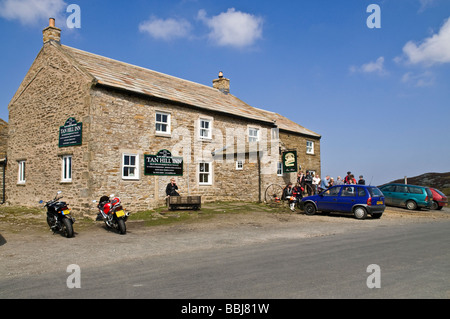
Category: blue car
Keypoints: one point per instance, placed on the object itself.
(360, 200)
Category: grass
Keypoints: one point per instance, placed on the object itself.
(19, 217)
(163, 216)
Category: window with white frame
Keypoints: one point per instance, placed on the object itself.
(280, 169)
(66, 174)
(205, 128)
(130, 166)
(21, 177)
(309, 147)
(239, 165)
(253, 134)
(205, 173)
(162, 121)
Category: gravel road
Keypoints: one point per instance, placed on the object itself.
(35, 250)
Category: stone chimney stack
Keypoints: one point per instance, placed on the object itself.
(52, 33)
(222, 84)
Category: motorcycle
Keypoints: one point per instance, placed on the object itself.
(295, 199)
(112, 213)
(58, 216)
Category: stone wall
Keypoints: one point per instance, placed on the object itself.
(52, 91)
(123, 123)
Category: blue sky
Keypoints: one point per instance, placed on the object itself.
(379, 97)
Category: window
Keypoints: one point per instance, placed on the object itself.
(334, 191)
(280, 169)
(239, 165)
(253, 134)
(130, 166)
(309, 147)
(162, 121)
(204, 173)
(66, 168)
(205, 129)
(348, 191)
(21, 179)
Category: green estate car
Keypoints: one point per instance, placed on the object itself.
(409, 196)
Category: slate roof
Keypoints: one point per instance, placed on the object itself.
(124, 76)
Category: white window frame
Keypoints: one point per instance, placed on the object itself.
(239, 165)
(201, 129)
(309, 147)
(161, 122)
(66, 168)
(129, 165)
(279, 169)
(201, 173)
(21, 178)
(253, 137)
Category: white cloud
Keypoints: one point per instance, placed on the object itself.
(31, 11)
(371, 67)
(167, 29)
(419, 80)
(433, 50)
(233, 28)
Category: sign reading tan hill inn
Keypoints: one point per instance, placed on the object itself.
(163, 164)
(71, 133)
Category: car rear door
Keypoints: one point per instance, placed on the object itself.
(348, 198)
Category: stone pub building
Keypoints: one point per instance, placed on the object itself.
(90, 126)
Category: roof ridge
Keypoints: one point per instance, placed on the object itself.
(139, 67)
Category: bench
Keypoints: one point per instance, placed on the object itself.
(184, 202)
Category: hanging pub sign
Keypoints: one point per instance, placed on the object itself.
(163, 164)
(289, 160)
(71, 133)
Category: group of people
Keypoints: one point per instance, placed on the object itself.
(313, 184)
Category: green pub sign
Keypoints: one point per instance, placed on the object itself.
(71, 133)
(163, 164)
(289, 160)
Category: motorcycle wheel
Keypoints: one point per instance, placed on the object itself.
(67, 228)
(121, 226)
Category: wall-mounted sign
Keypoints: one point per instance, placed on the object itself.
(289, 160)
(71, 133)
(163, 164)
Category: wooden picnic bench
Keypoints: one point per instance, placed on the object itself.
(184, 202)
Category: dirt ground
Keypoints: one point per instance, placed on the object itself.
(28, 249)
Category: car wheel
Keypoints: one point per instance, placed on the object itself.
(360, 212)
(310, 209)
(434, 205)
(411, 205)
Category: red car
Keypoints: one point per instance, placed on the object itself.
(439, 199)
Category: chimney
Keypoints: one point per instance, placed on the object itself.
(52, 33)
(222, 84)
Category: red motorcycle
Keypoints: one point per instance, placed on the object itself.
(112, 213)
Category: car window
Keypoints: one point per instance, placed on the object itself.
(334, 191)
(429, 193)
(388, 188)
(348, 191)
(374, 191)
(439, 192)
(401, 189)
(361, 192)
(415, 190)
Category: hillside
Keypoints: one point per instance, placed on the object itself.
(440, 181)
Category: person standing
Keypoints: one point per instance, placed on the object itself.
(361, 180)
(324, 184)
(316, 182)
(308, 183)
